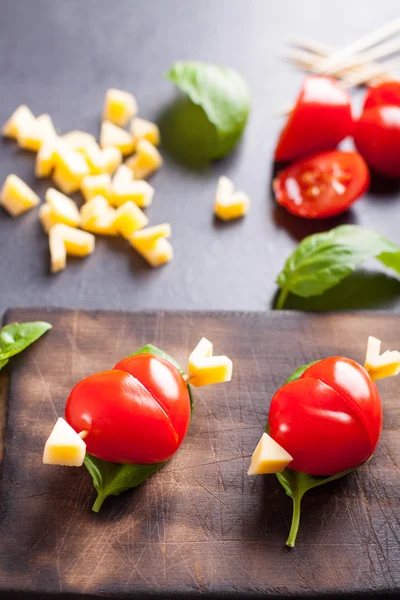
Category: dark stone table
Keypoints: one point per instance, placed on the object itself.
(60, 57)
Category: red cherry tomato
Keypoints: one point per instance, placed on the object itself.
(137, 413)
(377, 137)
(330, 419)
(322, 185)
(384, 93)
(320, 120)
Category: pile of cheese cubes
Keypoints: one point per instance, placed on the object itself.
(114, 192)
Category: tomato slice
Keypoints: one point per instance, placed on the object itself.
(377, 137)
(384, 93)
(320, 120)
(322, 185)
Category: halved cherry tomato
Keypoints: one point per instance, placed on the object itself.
(138, 412)
(322, 185)
(320, 120)
(384, 93)
(377, 137)
(330, 419)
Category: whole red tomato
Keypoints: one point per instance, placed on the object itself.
(384, 93)
(138, 412)
(320, 120)
(330, 419)
(322, 185)
(377, 137)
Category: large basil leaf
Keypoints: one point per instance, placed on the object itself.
(322, 260)
(111, 479)
(295, 483)
(223, 96)
(16, 337)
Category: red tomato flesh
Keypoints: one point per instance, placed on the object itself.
(330, 419)
(377, 137)
(322, 185)
(320, 120)
(136, 413)
(384, 93)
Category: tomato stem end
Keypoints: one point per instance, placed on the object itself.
(295, 522)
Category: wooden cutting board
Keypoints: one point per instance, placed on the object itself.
(200, 525)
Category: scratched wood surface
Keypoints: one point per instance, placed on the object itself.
(200, 525)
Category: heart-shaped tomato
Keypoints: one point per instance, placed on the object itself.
(330, 419)
(138, 412)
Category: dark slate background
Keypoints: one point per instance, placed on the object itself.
(60, 57)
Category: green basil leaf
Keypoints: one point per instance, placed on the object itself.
(296, 484)
(3, 363)
(16, 337)
(223, 96)
(110, 479)
(322, 260)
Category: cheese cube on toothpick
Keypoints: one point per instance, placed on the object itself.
(268, 457)
(228, 203)
(21, 117)
(146, 160)
(64, 446)
(114, 136)
(206, 369)
(119, 107)
(17, 197)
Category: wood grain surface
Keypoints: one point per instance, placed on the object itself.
(200, 525)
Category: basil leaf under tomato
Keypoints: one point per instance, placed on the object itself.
(16, 337)
(322, 260)
(296, 484)
(111, 479)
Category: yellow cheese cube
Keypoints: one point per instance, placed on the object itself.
(119, 107)
(71, 168)
(236, 207)
(79, 140)
(47, 218)
(94, 185)
(113, 136)
(64, 210)
(268, 457)
(381, 365)
(113, 159)
(129, 218)
(160, 253)
(77, 242)
(203, 349)
(58, 252)
(210, 370)
(45, 158)
(103, 224)
(95, 158)
(34, 134)
(16, 197)
(64, 446)
(122, 175)
(93, 209)
(20, 118)
(146, 160)
(139, 192)
(142, 129)
(146, 238)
